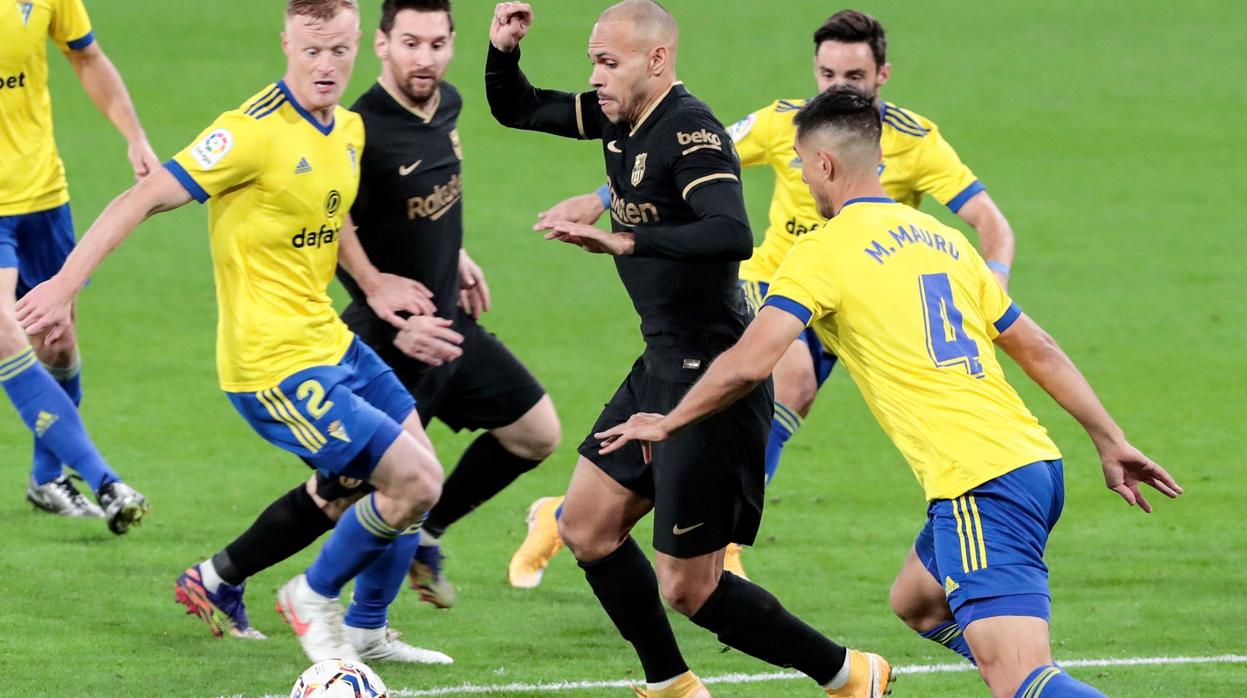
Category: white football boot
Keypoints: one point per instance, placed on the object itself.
(382, 644)
(316, 621)
(60, 497)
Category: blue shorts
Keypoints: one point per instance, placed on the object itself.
(338, 419)
(986, 547)
(824, 361)
(36, 244)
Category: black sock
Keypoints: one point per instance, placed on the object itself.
(484, 470)
(288, 525)
(627, 588)
(747, 617)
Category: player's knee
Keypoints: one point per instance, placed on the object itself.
(686, 594)
(12, 338)
(796, 391)
(62, 354)
(912, 611)
(536, 445)
(585, 543)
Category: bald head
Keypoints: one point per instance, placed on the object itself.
(652, 23)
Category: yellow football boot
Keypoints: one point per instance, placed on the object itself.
(731, 561)
(542, 542)
(687, 685)
(870, 676)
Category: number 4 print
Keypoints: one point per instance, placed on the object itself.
(947, 342)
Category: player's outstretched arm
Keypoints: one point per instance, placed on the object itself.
(1125, 467)
(730, 377)
(585, 209)
(995, 234)
(513, 100)
(388, 294)
(102, 82)
(48, 307)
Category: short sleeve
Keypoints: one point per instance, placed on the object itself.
(999, 310)
(941, 173)
(805, 283)
(701, 151)
(751, 136)
(229, 153)
(70, 27)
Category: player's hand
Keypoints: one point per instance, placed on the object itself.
(589, 238)
(142, 158)
(48, 310)
(1125, 467)
(429, 339)
(585, 209)
(510, 25)
(646, 427)
(473, 291)
(391, 294)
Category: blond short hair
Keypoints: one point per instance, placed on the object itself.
(322, 10)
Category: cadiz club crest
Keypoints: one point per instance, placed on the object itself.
(25, 8)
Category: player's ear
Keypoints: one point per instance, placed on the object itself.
(658, 59)
(381, 44)
(884, 73)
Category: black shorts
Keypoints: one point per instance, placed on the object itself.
(707, 481)
(485, 388)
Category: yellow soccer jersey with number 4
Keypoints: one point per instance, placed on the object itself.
(32, 177)
(912, 310)
(916, 161)
(280, 185)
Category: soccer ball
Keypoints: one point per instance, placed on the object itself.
(339, 678)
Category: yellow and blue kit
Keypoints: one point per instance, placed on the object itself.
(279, 185)
(912, 310)
(916, 161)
(36, 228)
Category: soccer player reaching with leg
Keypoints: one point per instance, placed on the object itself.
(850, 48)
(281, 172)
(680, 229)
(913, 312)
(456, 371)
(42, 378)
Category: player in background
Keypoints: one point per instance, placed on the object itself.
(850, 48)
(679, 231)
(409, 214)
(914, 313)
(281, 172)
(42, 378)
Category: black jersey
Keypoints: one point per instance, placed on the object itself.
(409, 210)
(675, 184)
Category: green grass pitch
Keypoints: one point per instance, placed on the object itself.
(1108, 134)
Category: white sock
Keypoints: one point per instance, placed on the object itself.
(212, 581)
(842, 676)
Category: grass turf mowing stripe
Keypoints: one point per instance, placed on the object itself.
(487, 689)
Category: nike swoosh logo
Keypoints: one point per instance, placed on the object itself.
(613, 148)
(681, 531)
(405, 170)
(300, 628)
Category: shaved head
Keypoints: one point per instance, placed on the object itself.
(653, 23)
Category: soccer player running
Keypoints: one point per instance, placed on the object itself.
(913, 311)
(43, 378)
(409, 214)
(850, 48)
(680, 229)
(281, 172)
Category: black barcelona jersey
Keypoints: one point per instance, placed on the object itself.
(409, 211)
(675, 184)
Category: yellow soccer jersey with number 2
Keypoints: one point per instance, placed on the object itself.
(912, 310)
(281, 185)
(32, 177)
(916, 161)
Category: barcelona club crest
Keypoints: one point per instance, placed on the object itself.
(638, 169)
(25, 8)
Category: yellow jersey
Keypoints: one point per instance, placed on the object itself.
(281, 185)
(32, 176)
(912, 310)
(916, 161)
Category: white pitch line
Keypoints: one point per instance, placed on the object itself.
(493, 689)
